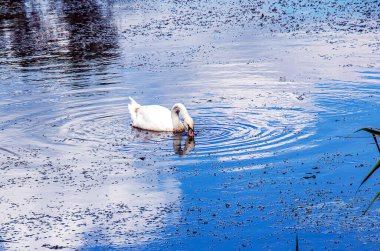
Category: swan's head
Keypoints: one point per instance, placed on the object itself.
(189, 125)
(187, 120)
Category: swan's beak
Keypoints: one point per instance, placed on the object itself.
(191, 132)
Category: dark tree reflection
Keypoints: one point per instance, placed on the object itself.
(19, 31)
(71, 31)
(90, 33)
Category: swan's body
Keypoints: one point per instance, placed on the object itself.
(159, 118)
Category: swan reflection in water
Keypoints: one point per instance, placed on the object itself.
(180, 147)
(188, 145)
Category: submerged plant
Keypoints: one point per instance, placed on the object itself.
(375, 133)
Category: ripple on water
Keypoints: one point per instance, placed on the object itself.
(221, 132)
(98, 118)
(231, 135)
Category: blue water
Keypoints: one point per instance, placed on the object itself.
(276, 90)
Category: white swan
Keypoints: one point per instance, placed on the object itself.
(161, 119)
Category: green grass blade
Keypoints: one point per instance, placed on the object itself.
(374, 199)
(370, 130)
(370, 173)
(377, 144)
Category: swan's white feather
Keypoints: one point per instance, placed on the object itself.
(153, 118)
(159, 118)
(132, 107)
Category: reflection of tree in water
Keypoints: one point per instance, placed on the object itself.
(83, 32)
(19, 30)
(90, 34)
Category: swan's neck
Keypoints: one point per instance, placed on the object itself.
(177, 124)
(176, 110)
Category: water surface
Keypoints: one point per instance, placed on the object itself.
(276, 90)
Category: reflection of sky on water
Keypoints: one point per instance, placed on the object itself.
(68, 68)
(60, 205)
